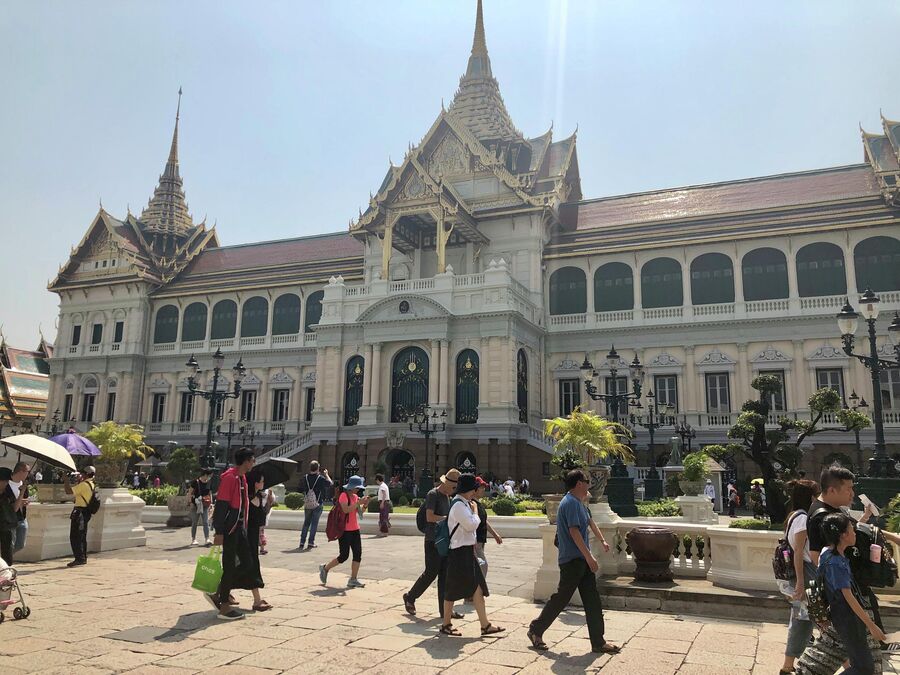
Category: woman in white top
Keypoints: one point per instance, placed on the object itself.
(464, 578)
(800, 629)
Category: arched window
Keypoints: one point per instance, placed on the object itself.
(613, 287)
(522, 385)
(765, 274)
(193, 324)
(661, 284)
(224, 320)
(313, 309)
(349, 467)
(286, 315)
(255, 317)
(409, 383)
(353, 390)
(166, 327)
(712, 279)
(820, 270)
(877, 264)
(467, 387)
(568, 291)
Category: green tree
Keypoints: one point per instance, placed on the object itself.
(593, 437)
(772, 449)
(119, 442)
(183, 464)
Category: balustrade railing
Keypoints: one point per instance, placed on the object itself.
(829, 302)
(664, 313)
(618, 316)
(690, 555)
(719, 309)
(765, 306)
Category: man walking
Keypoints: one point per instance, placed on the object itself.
(20, 489)
(384, 506)
(437, 508)
(81, 514)
(9, 505)
(314, 485)
(577, 567)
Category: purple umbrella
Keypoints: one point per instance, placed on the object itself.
(76, 445)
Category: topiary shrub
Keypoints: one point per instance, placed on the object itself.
(520, 507)
(294, 500)
(156, 496)
(404, 501)
(753, 524)
(504, 507)
(395, 495)
(374, 506)
(417, 502)
(664, 508)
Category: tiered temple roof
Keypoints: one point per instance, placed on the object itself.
(882, 152)
(24, 382)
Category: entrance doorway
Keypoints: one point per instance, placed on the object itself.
(400, 463)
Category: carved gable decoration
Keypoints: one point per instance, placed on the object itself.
(310, 376)
(159, 383)
(102, 244)
(771, 355)
(827, 353)
(250, 380)
(568, 364)
(282, 378)
(450, 158)
(716, 359)
(413, 189)
(395, 439)
(399, 308)
(664, 360)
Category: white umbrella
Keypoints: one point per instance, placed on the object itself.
(42, 449)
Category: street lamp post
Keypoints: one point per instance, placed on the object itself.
(231, 433)
(214, 396)
(655, 420)
(857, 403)
(53, 428)
(248, 431)
(619, 487)
(687, 433)
(882, 482)
(427, 425)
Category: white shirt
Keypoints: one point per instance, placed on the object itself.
(509, 490)
(798, 525)
(15, 487)
(38, 477)
(384, 495)
(461, 513)
(710, 491)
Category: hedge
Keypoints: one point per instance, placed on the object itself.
(294, 500)
(753, 524)
(156, 496)
(659, 509)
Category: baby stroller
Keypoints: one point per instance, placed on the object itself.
(8, 583)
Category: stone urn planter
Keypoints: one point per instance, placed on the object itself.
(691, 488)
(651, 548)
(599, 477)
(52, 493)
(179, 511)
(110, 472)
(552, 502)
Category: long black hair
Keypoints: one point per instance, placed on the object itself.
(833, 527)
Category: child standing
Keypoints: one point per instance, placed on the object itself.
(850, 619)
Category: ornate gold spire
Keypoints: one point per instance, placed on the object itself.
(478, 103)
(167, 211)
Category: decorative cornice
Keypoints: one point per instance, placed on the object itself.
(664, 359)
(715, 359)
(827, 353)
(771, 355)
(310, 376)
(250, 380)
(281, 378)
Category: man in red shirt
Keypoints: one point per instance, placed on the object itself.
(230, 522)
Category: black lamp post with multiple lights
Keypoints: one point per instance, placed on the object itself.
(231, 433)
(856, 404)
(882, 481)
(214, 395)
(620, 487)
(655, 420)
(427, 425)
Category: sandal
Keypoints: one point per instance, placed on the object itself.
(537, 641)
(491, 629)
(448, 629)
(608, 648)
(262, 607)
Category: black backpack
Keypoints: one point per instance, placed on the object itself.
(783, 559)
(94, 502)
(421, 519)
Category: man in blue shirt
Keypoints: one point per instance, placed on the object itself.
(577, 567)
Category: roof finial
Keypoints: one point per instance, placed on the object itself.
(479, 62)
(173, 151)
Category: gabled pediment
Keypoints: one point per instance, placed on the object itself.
(400, 308)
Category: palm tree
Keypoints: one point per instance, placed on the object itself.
(593, 436)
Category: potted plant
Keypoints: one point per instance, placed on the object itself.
(695, 473)
(563, 461)
(182, 465)
(118, 443)
(595, 439)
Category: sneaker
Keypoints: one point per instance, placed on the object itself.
(213, 599)
(76, 563)
(355, 583)
(311, 546)
(209, 541)
(409, 605)
(323, 574)
(195, 543)
(302, 546)
(230, 615)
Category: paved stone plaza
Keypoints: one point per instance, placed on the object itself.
(134, 611)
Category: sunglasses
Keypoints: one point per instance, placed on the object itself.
(583, 480)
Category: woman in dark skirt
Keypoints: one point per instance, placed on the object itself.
(464, 578)
(256, 520)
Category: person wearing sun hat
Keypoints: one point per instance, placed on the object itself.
(437, 506)
(464, 576)
(351, 504)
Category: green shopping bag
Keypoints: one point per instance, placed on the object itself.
(208, 572)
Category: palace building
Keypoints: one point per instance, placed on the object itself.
(476, 281)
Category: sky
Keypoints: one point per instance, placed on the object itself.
(291, 110)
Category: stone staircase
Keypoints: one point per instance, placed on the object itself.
(288, 448)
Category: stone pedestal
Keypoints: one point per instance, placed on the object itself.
(653, 489)
(608, 522)
(179, 511)
(620, 491)
(118, 522)
(697, 509)
(48, 533)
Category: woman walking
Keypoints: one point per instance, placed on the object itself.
(255, 524)
(352, 505)
(800, 629)
(201, 500)
(484, 528)
(464, 577)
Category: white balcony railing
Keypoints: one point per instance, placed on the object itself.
(719, 309)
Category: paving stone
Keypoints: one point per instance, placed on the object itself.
(504, 657)
(388, 642)
(699, 656)
(246, 644)
(24, 645)
(157, 670)
(120, 659)
(201, 659)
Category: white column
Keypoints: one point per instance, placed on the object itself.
(744, 391)
(690, 381)
(793, 290)
(367, 376)
(434, 373)
(376, 374)
(636, 285)
(850, 271)
(445, 372)
(685, 281)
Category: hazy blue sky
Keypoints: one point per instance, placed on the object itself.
(291, 109)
